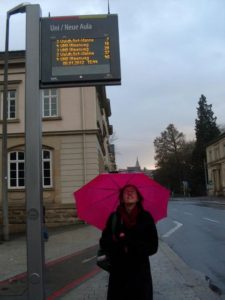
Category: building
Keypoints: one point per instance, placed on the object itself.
(75, 143)
(215, 153)
(137, 169)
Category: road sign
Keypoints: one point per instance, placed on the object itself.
(80, 51)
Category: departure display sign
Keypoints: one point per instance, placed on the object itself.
(80, 51)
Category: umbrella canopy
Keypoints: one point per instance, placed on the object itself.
(97, 199)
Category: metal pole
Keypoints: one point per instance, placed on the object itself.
(33, 158)
(18, 9)
(5, 222)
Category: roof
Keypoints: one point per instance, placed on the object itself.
(217, 139)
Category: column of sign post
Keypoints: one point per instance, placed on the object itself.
(33, 158)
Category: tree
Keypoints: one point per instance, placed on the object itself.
(169, 143)
(206, 130)
(168, 149)
(186, 162)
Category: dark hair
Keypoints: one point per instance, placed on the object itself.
(140, 198)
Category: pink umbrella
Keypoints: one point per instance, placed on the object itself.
(96, 200)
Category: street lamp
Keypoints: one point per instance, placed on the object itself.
(21, 8)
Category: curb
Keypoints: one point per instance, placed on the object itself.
(194, 279)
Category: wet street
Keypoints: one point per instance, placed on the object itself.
(195, 230)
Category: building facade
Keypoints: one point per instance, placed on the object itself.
(215, 153)
(75, 143)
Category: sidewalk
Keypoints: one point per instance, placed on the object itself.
(172, 278)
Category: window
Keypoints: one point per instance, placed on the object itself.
(210, 155)
(216, 153)
(11, 105)
(16, 169)
(46, 168)
(50, 103)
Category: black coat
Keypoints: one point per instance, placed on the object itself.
(130, 276)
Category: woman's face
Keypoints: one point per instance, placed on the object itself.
(130, 195)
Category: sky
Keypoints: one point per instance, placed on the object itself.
(171, 52)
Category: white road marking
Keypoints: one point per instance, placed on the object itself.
(88, 259)
(188, 213)
(171, 231)
(211, 220)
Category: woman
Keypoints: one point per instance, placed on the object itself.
(129, 246)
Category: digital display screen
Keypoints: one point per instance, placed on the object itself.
(81, 56)
(79, 51)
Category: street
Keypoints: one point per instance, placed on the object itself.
(71, 271)
(194, 229)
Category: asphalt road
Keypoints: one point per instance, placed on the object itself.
(195, 230)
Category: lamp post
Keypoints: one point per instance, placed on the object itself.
(21, 8)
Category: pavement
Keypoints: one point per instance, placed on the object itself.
(67, 247)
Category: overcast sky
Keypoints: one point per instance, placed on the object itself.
(172, 51)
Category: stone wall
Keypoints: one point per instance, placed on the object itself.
(56, 215)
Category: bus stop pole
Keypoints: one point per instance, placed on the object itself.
(33, 158)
